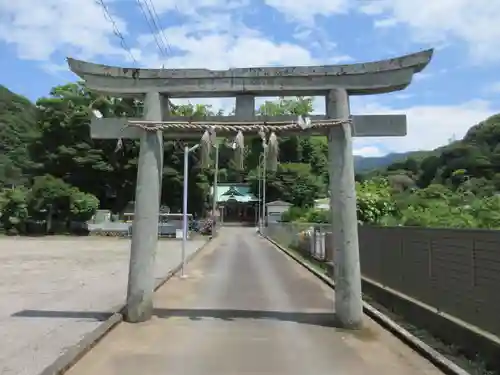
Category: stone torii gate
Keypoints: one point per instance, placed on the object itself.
(335, 82)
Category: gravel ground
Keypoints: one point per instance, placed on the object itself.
(54, 290)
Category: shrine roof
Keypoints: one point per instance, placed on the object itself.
(234, 192)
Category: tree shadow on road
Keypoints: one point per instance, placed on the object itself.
(323, 319)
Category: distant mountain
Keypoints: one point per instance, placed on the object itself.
(365, 164)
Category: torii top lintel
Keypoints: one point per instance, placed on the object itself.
(358, 79)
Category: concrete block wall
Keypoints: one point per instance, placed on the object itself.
(454, 271)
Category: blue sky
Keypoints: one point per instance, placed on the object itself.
(459, 88)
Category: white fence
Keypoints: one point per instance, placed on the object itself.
(120, 229)
(308, 238)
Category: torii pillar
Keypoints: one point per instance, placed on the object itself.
(139, 306)
(335, 82)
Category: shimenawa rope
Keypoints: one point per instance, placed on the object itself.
(209, 129)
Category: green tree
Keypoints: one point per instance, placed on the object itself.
(65, 150)
(14, 210)
(49, 199)
(316, 216)
(374, 201)
(291, 147)
(82, 205)
(294, 213)
(17, 128)
(293, 183)
(486, 211)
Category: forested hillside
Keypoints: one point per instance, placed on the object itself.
(456, 185)
(61, 174)
(472, 163)
(17, 128)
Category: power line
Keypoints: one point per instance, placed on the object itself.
(158, 26)
(158, 35)
(116, 30)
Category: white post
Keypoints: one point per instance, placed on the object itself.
(264, 161)
(259, 202)
(185, 187)
(185, 208)
(214, 197)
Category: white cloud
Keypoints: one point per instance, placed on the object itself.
(192, 7)
(38, 31)
(385, 22)
(320, 41)
(219, 51)
(402, 96)
(367, 151)
(422, 76)
(435, 22)
(213, 37)
(474, 22)
(493, 87)
(305, 11)
(429, 126)
(218, 41)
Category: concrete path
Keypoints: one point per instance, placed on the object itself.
(54, 290)
(247, 309)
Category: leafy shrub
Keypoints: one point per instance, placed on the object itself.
(48, 206)
(294, 213)
(14, 210)
(374, 201)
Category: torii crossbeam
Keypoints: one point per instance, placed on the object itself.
(334, 82)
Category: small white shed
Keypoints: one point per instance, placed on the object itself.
(275, 210)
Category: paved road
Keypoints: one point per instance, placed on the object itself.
(247, 309)
(50, 287)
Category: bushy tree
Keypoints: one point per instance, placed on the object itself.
(14, 210)
(292, 182)
(439, 216)
(294, 213)
(49, 199)
(82, 205)
(486, 211)
(316, 216)
(374, 201)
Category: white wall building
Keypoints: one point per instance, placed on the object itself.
(275, 210)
